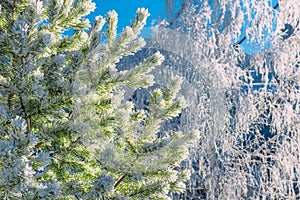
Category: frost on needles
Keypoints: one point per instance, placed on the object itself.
(67, 132)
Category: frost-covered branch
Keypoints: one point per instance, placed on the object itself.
(66, 129)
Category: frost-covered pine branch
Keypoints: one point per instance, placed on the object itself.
(67, 132)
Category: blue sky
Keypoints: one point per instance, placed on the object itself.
(126, 10)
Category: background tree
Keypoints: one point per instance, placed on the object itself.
(242, 97)
(67, 131)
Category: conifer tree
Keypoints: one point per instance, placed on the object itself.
(67, 131)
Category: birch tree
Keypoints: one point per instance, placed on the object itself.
(240, 74)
